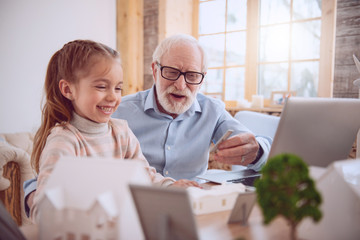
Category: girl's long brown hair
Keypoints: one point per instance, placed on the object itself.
(71, 62)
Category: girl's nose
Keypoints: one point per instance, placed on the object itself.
(111, 96)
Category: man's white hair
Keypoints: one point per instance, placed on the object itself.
(166, 44)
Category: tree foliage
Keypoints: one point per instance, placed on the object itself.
(285, 189)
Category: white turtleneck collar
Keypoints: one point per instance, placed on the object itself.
(87, 126)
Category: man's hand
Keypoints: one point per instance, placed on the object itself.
(184, 183)
(240, 149)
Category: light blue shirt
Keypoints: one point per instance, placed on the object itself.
(179, 148)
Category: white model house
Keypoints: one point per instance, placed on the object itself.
(340, 190)
(89, 199)
(218, 198)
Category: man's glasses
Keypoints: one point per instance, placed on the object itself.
(173, 74)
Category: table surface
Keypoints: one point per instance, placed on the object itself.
(215, 226)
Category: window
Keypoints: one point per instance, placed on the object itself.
(263, 46)
(222, 31)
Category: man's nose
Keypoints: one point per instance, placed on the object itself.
(180, 84)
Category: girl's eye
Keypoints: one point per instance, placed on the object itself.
(100, 87)
(118, 88)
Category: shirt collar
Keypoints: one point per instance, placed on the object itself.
(150, 103)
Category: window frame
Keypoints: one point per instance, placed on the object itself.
(327, 49)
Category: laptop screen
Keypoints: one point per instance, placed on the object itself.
(8, 227)
(319, 130)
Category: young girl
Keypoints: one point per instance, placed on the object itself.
(83, 88)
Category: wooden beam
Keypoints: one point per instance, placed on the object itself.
(162, 20)
(251, 76)
(327, 48)
(175, 16)
(130, 43)
(195, 20)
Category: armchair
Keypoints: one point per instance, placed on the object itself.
(259, 124)
(15, 150)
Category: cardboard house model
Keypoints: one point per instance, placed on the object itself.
(340, 190)
(89, 198)
(218, 198)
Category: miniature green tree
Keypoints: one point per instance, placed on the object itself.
(285, 189)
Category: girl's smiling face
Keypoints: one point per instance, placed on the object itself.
(96, 95)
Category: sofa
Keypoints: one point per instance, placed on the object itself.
(15, 168)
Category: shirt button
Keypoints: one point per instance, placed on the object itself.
(168, 147)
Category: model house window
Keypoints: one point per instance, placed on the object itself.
(264, 46)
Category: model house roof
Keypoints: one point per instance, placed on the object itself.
(61, 200)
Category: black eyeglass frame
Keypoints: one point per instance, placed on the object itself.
(181, 73)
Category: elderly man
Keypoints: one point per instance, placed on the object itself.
(176, 125)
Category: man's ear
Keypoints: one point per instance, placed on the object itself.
(154, 70)
(65, 89)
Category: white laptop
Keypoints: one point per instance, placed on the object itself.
(319, 130)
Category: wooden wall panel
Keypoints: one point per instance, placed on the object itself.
(130, 43)
(346, 46)
(348, 23)
(151, 32)
(175, 16)
(347, 43)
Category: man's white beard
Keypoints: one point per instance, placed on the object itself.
(175, 107)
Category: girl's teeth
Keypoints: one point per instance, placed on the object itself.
(106, 109)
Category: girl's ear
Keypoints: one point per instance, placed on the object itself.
(65, 89)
